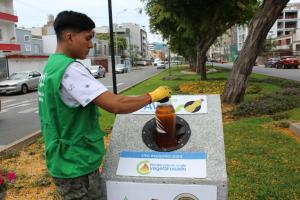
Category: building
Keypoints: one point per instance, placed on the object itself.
(221, 49)
(157, 50)
(135, 35)
(287, 22)
(30, 44)
(8, 43)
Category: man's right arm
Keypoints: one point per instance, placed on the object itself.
(126, 104)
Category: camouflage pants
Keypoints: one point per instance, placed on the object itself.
(87, 187)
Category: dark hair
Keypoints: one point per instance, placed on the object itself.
(74, 21)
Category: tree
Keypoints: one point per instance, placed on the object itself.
(260, 25)
(199, 21)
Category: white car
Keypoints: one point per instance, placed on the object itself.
(98, 71)
(159, 64)
(20, 82)
(121, 68)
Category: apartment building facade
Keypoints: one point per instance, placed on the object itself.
(30, 44)
(8, 43)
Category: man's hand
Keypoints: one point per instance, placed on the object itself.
(160, 93)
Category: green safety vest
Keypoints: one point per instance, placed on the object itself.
(72, 136)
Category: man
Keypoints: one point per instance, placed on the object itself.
(68, 100)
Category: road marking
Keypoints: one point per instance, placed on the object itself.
(20, 105)
(21, 102)
(8, 100)
(28, 110)
(15, 104)
(109, 86)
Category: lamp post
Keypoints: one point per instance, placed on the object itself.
(169, 60)
(111, 35)
(116, 33)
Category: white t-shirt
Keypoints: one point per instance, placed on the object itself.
(79, 87)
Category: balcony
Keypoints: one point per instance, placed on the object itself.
(10, 47)
(8, 17)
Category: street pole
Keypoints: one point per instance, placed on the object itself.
(169, 61)
(112, 50)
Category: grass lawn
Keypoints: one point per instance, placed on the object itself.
(262, 155)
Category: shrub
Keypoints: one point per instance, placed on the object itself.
(280, 116)
(269, 104)
(253, 89)
(279, 82)
(290, 91)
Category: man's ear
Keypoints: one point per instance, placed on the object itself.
(68, 36)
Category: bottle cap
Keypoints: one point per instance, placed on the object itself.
(164, 100)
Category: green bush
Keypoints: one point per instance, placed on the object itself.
(279, 82)
(270, 104)
(280, 116)
(253, 89)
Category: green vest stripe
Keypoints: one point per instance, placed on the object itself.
(72, 136)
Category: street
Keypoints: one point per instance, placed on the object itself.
(292, 74)
(19, 114)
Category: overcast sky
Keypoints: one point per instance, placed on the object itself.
(33, 13)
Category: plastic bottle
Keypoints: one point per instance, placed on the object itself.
(165, 118)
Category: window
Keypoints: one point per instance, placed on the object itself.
(26, 38)
(297, 47)
(1, 38)
(279, 42)
(27, 47)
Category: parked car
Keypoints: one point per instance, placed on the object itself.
(121, 68)
(98, 71)
(287, 62)
(20, 82)
(271, 62)
(141, 62)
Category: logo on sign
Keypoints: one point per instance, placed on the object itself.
(143, 167)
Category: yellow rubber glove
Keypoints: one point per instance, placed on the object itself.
(160, 93)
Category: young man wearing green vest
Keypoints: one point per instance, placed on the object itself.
(68, 98)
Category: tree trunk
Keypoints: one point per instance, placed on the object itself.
(202, 47)
(193, 62)
(201, 68)
(260, 25)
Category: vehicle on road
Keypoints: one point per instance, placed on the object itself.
(287, 62)
(141, 62)
(20, 82)
(98, 71)
(121, 68)
(124, 67)
(271, 62)
(160, 64)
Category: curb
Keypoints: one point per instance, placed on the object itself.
(295, 127)
(20, 143)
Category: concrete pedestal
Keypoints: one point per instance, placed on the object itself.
(206, 135)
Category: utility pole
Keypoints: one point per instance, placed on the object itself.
(112, 49)
(169, 60)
